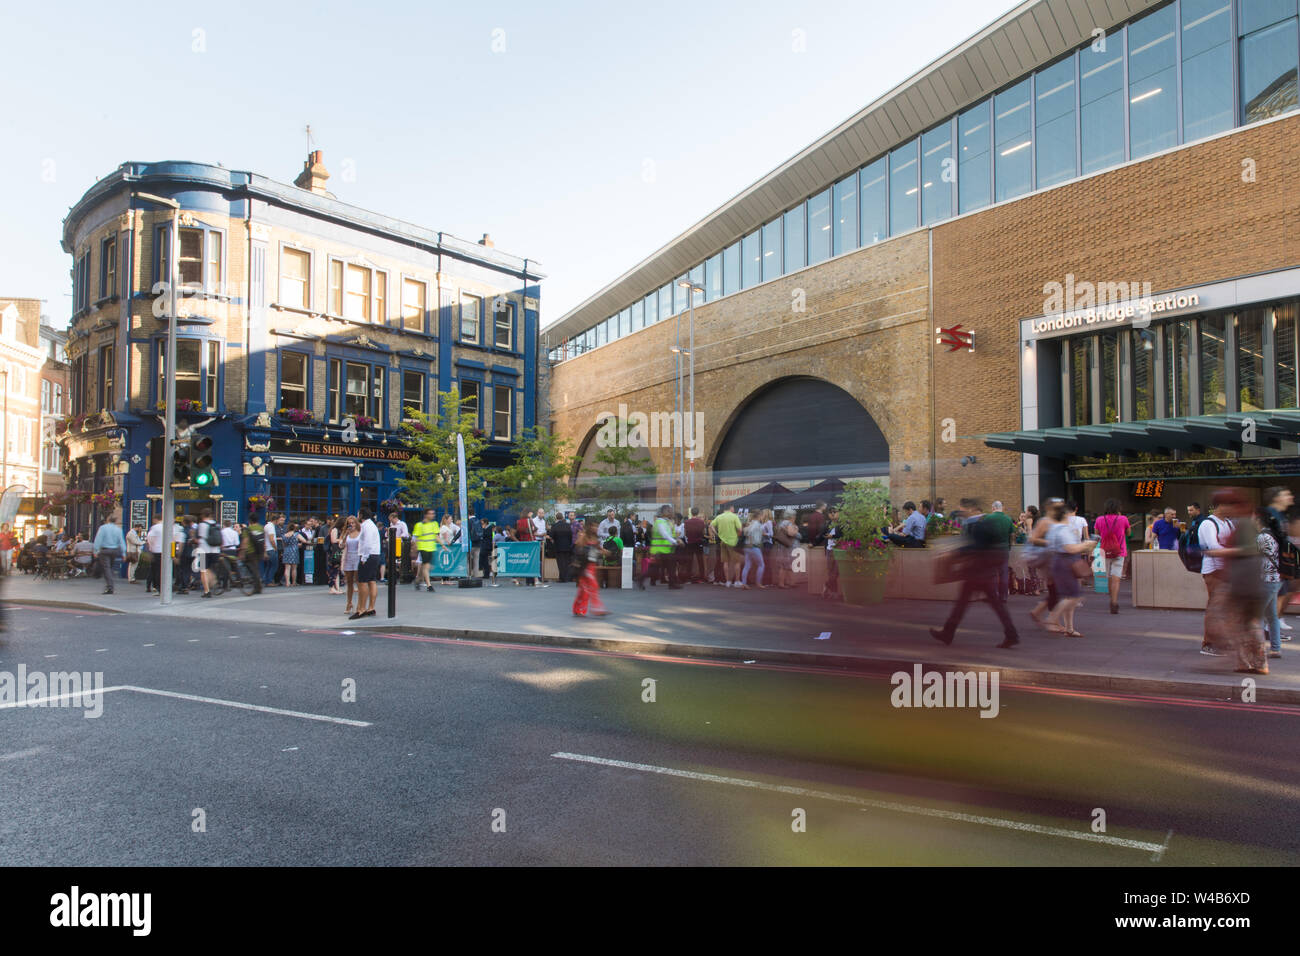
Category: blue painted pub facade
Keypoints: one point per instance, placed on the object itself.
(306, 329)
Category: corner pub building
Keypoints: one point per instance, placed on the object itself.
(909, 296)
(306, 327)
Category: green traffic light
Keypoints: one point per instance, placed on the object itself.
(203, 478)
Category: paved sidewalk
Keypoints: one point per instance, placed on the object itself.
(1140, 651)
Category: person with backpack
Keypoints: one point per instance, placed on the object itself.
(1113, 528)
(476, 546)
(1213, 533)
(980, 556)
(1273, 521)
(207, 546)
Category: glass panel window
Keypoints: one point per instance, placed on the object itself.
(1255, 14)
(1207, 67)
(625, 322)
(638, 315)
(471, 307)
(413, 304)
(108, 282)
(192, 257)
(713, 278)
(469, 393)
(772, 250)
(665, 301)
(356, 399)
(295, 273)
(1054, 122)
(378, 376)
(844, 200)
(1144, 373)
(501, 398)
(381, 298)
(697, 278)
(356, 298)
(1101, 103)
(652, 308)
(1012, 142)
(819, 228)
(412, 390)
(1268, 68)
(213, 373)
(752, 254)
(503, 325)
(1250, 360)
(1178, 368)
(1283, 318)
(795, 256)
(1109, 376)
(1152, 79)
(293, 380)
(1080, 357)
(679, 295)
(903, 189)
(334, 397)
(873, 201)
(1214, 399)
(731, 269)
(936, 187)
(336, 288)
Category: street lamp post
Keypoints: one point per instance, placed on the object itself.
(169, 429)
(691, 289)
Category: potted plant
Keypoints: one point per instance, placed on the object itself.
(862, 556)
(295, 416)
(365, 422)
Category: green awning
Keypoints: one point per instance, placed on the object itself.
(1269, 428)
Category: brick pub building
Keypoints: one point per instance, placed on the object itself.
(307, 328)
(909, 296)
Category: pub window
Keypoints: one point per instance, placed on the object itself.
(469, 392)
(335, 306)
(191, 257)
(293, 380)
(378, 373)
(295, 273)
(413, 292)
(501, 396)
(381, 298)
(214, 262)
(1214, 398)
(356, 400)
(356, 293)
(108, 267)
(504, 322)
(189, 370)
(470, 308)
(412, 391)
(333, 398)
(214, 369)
(106, 369)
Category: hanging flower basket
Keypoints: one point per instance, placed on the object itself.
(296, 416)
(108, 499)
(365, 422)
(183, 405)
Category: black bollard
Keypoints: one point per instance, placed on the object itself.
(393, 572)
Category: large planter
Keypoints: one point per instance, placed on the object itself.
(861, 584)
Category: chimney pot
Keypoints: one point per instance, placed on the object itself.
(487, 241)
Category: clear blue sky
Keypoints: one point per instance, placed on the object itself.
(543, 145)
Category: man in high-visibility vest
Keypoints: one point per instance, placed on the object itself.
(663, 542)
(425, 536)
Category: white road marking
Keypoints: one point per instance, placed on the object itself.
(193, 640)
(875, 804)
(20, 754)
(238, 705)
(287, 749)
(100, 650)
(148, 645)
(50, 656)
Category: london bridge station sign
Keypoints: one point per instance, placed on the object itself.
(357, 450)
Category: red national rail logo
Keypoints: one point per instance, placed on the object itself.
(956, 338)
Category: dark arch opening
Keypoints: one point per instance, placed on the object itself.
(801, 429)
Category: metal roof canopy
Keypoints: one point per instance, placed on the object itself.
(1271, 427)
(1033, 34)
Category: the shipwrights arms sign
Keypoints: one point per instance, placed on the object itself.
(326, 449)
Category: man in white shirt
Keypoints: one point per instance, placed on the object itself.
(1076, 521)
(153, 544)
(608, 526)
(368, 554)
(270, 553)
(205, 551)
(541, 532)
(1212, 536)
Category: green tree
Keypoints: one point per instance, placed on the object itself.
(539, 473)
(432, 478)
(619, 473)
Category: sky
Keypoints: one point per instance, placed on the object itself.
(581, 135)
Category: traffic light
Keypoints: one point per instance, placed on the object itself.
(201, 473)
(155, 462)
(181, 462)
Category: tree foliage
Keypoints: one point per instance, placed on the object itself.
(432, 477)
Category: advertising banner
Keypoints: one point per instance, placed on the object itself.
(449, 563)
(518, 559)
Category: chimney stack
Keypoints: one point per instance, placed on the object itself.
(487, 241)
(313, 175)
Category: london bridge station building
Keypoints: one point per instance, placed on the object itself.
(1063, 258)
